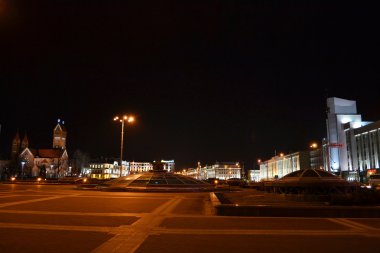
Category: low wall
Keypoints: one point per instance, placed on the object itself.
(298, 211)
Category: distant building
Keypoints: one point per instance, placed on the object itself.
(219, 170)
(169, 165)
(254, 175)
(352, 146)
(280, 165)
(339, 112)
(363, 150)
(103, 170)
(139, 167)
(107, 170)
(316, 158)
(49, 162)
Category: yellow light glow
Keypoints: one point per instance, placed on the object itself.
(131, 119)
(281, 154)
(125, 117)
(116, 118)
(314, 145)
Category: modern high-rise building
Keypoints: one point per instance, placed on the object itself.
(339, 112)
(352, 146)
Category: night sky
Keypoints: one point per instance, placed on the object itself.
(206, 80)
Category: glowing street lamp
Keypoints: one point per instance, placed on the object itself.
(51, 169)
(22, 169)
(128, 119)
(314, 145)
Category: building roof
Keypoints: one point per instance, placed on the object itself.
(61, 126)
(48, 153)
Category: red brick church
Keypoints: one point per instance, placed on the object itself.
(45, 162)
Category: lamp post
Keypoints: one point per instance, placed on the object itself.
(122, 119)
(51, 169)
(22, 170)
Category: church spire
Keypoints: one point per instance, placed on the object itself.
(15, 146)
(25, 142)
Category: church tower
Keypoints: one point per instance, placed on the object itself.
(59, 135)
(15, 146)
(25, 142)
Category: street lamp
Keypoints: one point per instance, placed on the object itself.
(128, 119)
(22, 169)
(314, 145)
(51, 168)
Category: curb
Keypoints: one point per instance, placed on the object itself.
(293, 211)
(298, 211)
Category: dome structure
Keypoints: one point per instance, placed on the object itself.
(311, 176)
(156, 180)
(314, 180)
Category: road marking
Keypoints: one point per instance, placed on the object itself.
(128, 240)
(57, 227)
(74, 213)
(10, 196)
(117, 197)
(355, 225)
(31, 201)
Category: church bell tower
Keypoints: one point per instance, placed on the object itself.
(59, 135)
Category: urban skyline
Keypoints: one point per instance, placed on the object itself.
(210, 82)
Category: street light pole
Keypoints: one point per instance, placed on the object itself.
(121, 147)
(51, 169)
(122, 119)
(22, 170)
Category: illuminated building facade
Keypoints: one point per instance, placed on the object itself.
(352, 145)
(104, 170)
(254, 175)
(363, 148)
(280, 165)
(139, 167)
(219, 170)
(339, 112)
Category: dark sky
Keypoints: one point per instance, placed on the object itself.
(207, 80)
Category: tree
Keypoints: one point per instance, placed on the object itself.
(81, 161)
(42, 170)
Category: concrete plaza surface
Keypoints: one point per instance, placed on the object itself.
(45, 218)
